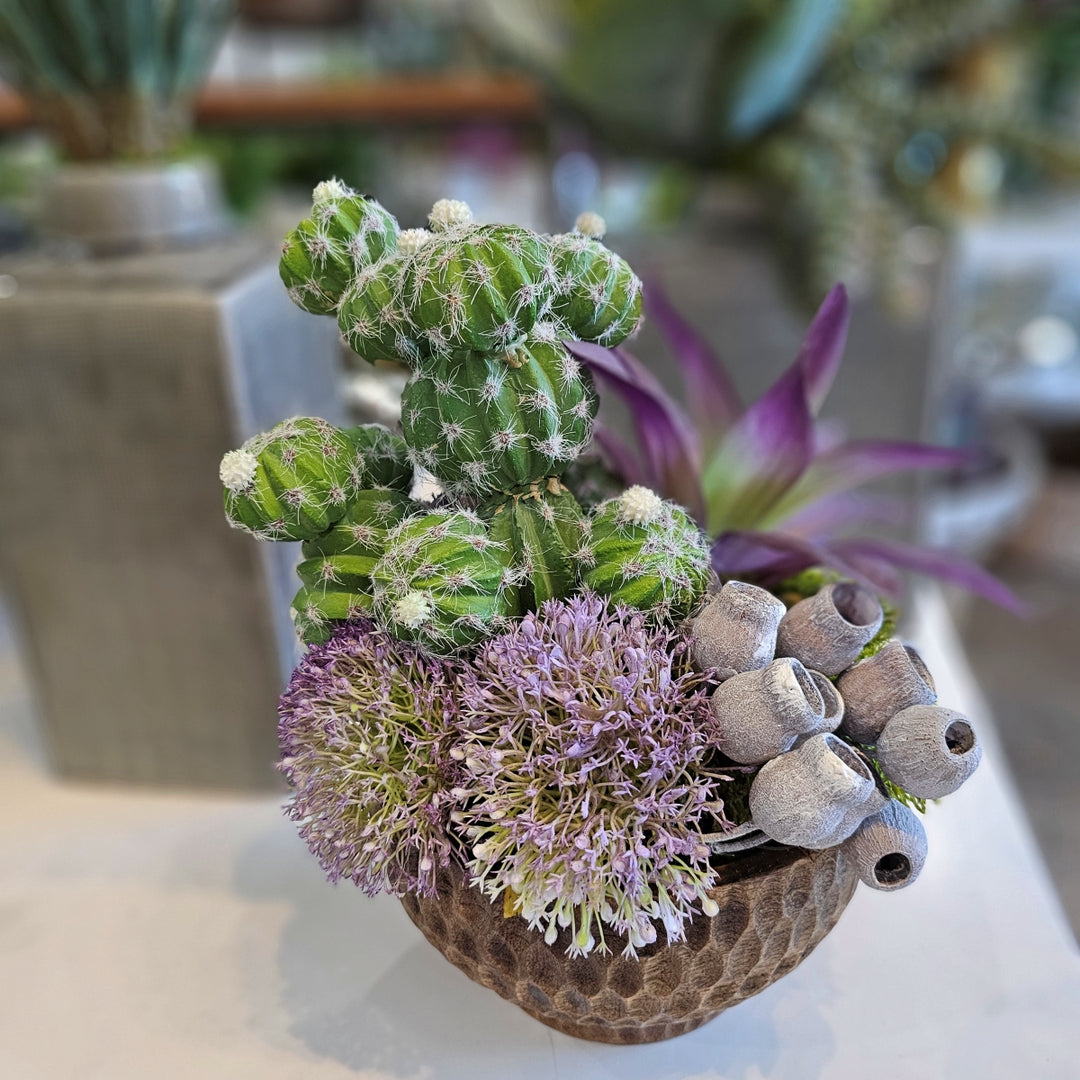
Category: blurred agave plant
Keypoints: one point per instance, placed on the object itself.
(772, 485)
(112, 78)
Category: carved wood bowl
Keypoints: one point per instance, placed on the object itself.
(775, 906)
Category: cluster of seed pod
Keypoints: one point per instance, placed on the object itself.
(806, 697)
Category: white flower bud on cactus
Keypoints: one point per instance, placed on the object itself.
(639, 505)
(447, 213)
(410, 241)
(329, 190)
(591, 224)
(412, 610)
(237, 470)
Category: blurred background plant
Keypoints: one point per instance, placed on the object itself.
(776, 490)
(856, 119)
(112, 78)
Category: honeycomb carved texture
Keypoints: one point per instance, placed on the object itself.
(771, 918)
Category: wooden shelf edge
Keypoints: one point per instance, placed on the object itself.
(397, 99)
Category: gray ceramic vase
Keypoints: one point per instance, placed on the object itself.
(736, 630)
(928, 750)
(810, 796)
(761, 713)
(828, 630)
(877, 688)
(888, 848)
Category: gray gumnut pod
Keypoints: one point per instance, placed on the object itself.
(928, 750)
(736, 630)
(828, 630)
(761, 713)
(888, 848)
(835, 706)
(877, 688)
(856, 815)
(808, 796)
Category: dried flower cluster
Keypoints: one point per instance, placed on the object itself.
(583, 729)
(366, 730)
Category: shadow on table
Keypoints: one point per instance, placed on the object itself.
(361, 987)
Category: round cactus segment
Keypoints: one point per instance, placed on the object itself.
(598, 295)
(443, 581)
(541, 529)
(345, 232)
(362, 532)
(337, 566)
(660, 566)
(372, 317)
(480, 424)
(301, 484)
(318, 609)
(478, 288)
(381, 459)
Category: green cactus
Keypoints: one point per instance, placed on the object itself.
(337, 566)
(345, 233)
(496, 409)
(478, 288)
(292, 482)
(443, 581)
(481, 424)
(541, 528)
(598, 296)
(647, 553)
(318, 609)
(372, 317)
(381, 459)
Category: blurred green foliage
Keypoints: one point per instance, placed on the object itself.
(854, 119)
(252, 162)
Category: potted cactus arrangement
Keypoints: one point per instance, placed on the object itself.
(618, 790)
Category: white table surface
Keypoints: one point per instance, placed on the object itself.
(160, 935)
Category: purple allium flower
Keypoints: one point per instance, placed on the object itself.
(583, 727)
(366, 726)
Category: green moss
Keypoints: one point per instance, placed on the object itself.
(806, 583)
(896, 792)
(736, 796)
(887, 631)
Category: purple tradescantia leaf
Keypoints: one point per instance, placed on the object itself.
(761, 457)
(828, 435)
(945, 565)
(881, 576)
(858, 462)
(839, 512)
(711, 397)
(823, 347)
(671, 460)
(769, 557)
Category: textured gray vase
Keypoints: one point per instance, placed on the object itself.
(157, 636)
